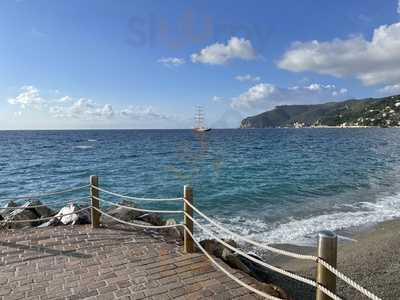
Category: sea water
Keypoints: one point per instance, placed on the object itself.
(273, 185)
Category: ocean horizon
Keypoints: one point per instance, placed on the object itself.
(273, 185)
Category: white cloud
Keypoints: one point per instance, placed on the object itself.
(66, 111)
(372, 62)
(29, 97)
(264, 96)
(216, 99)
(82, 108)
(65, 99)
(143, 112)
(219, 54)
(390, 89)
(247, 77)
(171, 61)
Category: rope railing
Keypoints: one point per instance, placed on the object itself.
(46, 194)
(236, 250)
(221, 268)
(187, 225)
(135, 198)
(282, 252)
(44, 219)
(139, 209)
(348, 280)
(136, 224)
(253, 259)
(254, 243)
(45, 204)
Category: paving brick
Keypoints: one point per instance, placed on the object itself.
(78, 262)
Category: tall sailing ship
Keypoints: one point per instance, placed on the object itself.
(200, 125)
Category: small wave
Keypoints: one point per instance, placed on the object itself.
(84, 147)
(92, 140)
(304, 231)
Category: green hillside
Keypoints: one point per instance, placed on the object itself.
(378, 112)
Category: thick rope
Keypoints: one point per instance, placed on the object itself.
(139, 209)
(239, 237)
(44, 219)
(135, 224)
(257, 261)
(348, 280)
(46, 204)
(135, 198)
(46, 194)
(287, 253)
(221, 268)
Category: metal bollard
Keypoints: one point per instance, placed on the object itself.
(327, 250)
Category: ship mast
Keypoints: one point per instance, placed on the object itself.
(199, 117)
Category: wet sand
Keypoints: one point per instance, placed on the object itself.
(373, 261)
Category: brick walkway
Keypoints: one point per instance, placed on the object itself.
(76, 262)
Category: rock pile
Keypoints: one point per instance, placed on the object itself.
(35, 212)
(237, 261)
(73, 214)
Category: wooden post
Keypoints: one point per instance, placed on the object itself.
(95, 215)
(188, 244)
(327, 250)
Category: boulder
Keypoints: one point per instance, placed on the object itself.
(130, 215)
(234, 261)
(20, 214)
(272, 290)
(43, 211)
(8, 208)
(216, 248)
(175, 232)
(26, 211)
(122, 213)
(151, 218)
(256, 270)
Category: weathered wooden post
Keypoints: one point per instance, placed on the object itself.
(327, 250)
(95, 215)
(188, 244)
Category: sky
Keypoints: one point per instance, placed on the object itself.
(71, 64)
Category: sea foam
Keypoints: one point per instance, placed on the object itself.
(303, 231)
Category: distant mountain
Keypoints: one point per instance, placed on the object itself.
(378, 112)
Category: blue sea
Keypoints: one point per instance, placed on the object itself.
(273, 185)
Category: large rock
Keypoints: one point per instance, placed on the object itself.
(235, 260)
(216, 248)
(122, 213)
(256, 270)
(272, 290)
(20, 214)
(151, 218)
(130, 215)
(175, 232)
(27, 211)
(8, 208)
(41, 211)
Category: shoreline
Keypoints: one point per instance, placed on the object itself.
(371, 260)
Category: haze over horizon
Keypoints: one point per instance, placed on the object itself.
(141, 64)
